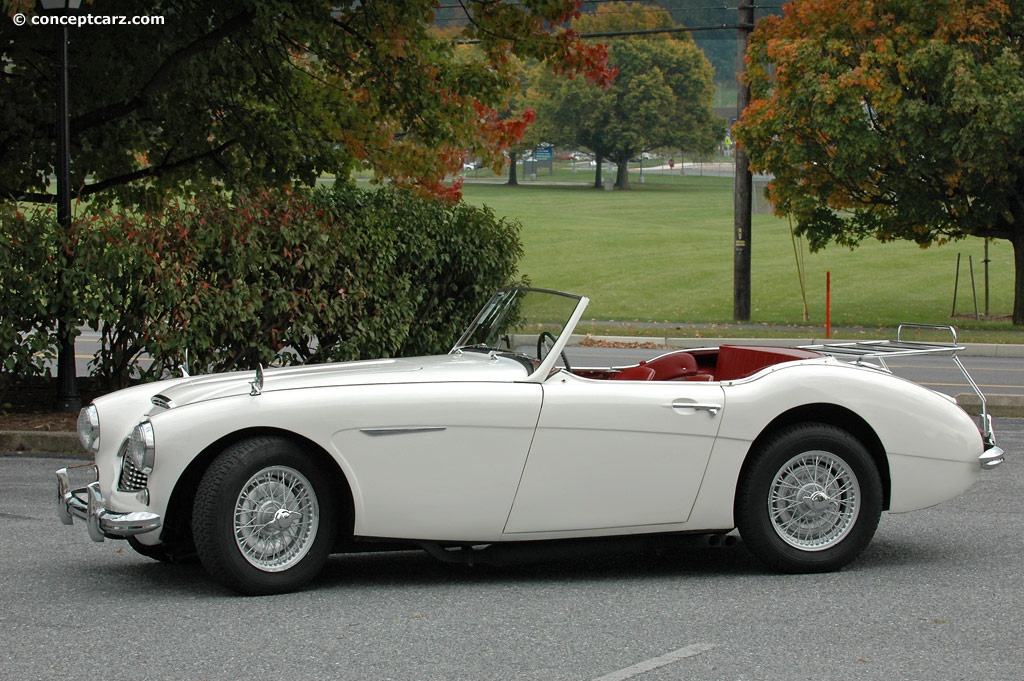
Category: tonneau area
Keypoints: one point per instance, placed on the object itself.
(739, 361)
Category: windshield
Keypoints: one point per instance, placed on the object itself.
(522, 321)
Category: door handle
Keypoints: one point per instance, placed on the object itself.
(709, 407)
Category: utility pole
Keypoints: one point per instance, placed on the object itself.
(742, 193)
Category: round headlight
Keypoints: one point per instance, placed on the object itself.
(89, 428)
(142, 447)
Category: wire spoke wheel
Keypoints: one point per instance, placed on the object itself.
(276, 518)
(814, 501)
(809, 498)
(264, 516)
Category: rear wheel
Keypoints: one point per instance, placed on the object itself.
(809, 500)
(263, 518)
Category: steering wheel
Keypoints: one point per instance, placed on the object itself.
(540, 348)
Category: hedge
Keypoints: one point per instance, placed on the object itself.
(279, 277)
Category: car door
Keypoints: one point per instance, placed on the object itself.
(437, 460)
(616, 454)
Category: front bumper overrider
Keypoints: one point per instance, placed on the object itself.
(87, 503)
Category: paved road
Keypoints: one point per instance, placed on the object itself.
(938, 595)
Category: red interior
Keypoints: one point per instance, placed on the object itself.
(727, 363)
(738, 361)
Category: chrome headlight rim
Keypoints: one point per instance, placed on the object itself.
(142, 447)
(88, 428)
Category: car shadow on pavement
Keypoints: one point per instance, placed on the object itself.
(411, 568)
(416, 568)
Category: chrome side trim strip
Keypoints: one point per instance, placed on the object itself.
(377, 432)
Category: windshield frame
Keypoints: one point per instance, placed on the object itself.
(489, 330)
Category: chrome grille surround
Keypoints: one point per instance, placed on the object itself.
(132, 479)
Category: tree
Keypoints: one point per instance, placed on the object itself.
(661, 96)
(250, 93)
(519, 106)
(892, 119)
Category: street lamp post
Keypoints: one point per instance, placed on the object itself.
(67, 388)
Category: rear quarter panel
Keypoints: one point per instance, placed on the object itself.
(931, 445)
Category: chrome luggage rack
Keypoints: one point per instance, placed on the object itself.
(874, 354)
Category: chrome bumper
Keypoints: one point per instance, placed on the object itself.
(993, 454)
(991, 457)
(87, 503)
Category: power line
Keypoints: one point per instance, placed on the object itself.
(649, 9)
(642, 32)
(655, 31)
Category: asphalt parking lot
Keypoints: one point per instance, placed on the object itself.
(938, 595)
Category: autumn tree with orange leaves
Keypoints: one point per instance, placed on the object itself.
(250, 93)
(892, 119)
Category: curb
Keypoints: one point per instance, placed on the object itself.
(1011, 406)
(27, 442)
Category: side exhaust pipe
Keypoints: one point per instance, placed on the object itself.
(526, 552)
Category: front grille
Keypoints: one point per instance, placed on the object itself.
(132, 479)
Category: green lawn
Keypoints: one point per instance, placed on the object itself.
(663, 253)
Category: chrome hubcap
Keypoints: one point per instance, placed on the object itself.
(814, 501)
(276, 518)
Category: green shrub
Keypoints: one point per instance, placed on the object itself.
(283, 277)
(29, 245)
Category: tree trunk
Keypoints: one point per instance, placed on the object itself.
(513, 177)
(622, 173)
(1013, 230)
(1018, 280)
(597, 175)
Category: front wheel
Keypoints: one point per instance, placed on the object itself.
(809, 500)
(263, 519)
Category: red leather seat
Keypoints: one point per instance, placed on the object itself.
(637, 373)
(673, 367)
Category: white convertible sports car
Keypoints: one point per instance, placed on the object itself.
(500, 444)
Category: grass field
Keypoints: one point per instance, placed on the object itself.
(663, 253)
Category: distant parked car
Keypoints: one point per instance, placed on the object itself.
(501, 443)
(574, 156)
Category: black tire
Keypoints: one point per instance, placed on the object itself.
(809, 499)
(263, 517)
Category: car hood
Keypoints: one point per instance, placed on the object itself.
(453, 368)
